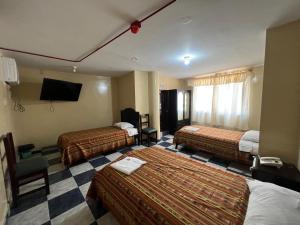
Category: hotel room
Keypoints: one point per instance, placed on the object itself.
(150, 112)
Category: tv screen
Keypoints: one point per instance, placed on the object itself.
(59, 90)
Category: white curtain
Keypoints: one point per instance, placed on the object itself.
(222, 105)
(180, 105)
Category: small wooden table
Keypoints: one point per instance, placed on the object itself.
(287, 176)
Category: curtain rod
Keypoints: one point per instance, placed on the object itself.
(222, 73)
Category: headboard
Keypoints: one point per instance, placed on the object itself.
(129, 115)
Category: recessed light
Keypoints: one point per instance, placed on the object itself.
(186, 20)
(187, 60)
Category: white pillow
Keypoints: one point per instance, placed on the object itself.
(123, 125)
(270, 204)
(251, 135)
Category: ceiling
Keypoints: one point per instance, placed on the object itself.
(223, 34)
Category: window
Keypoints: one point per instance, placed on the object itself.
(203, 96)
(180, 105)
(222, 105)
(229, 99)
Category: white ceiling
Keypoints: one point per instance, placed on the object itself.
(223, 34)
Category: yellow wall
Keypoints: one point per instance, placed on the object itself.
(115, 99)
(123, 94)
(154, 101)
(168, 83)
(280, 117)
(141, 92)
(256, 98)
(6, 125)
(42, 127)
(130, 91)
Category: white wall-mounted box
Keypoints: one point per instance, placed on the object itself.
(8, 70)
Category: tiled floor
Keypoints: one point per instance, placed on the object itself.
(66, 203)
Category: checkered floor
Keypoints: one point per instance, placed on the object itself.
(66, 203)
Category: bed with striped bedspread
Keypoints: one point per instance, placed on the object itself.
(171, 189)
(220, 142)
(85, 144)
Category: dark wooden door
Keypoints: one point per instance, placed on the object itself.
(164, 110)
(173, 113)
(175, 110)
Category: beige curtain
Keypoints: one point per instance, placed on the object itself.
(222, 100)
(219, 78)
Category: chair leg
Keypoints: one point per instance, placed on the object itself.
(156, 137)
(14, 190)
(176, 145)
(46, 182)
(148, 137)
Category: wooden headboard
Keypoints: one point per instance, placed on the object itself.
(129, 115)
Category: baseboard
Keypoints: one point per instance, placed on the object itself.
(4, 214)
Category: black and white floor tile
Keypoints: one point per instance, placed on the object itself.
(67, 204)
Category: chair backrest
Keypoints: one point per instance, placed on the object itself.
(145, 123)
(10, 154)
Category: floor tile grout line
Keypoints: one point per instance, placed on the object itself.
(165, 143)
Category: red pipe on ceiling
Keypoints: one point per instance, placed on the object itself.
(92, 51)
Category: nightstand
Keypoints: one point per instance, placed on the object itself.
(287, 176)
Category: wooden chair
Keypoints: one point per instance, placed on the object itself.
(25, 171)
(148, 131)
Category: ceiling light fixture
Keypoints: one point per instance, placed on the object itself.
(187, 60)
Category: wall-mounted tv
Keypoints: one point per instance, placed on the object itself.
(59, 90)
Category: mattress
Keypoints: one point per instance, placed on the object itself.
(171, 189)
(85, 144)
(220, 142)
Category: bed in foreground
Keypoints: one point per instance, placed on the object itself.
(171, 189)
(220, 142)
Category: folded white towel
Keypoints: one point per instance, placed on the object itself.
(128, 165)
(131, 131)
(190, 128)
(251, 135)
(249, 146)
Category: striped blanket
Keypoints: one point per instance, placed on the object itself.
(171, 189)
(88, 143)
(220, 142)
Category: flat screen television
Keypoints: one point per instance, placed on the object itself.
(59, 90)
